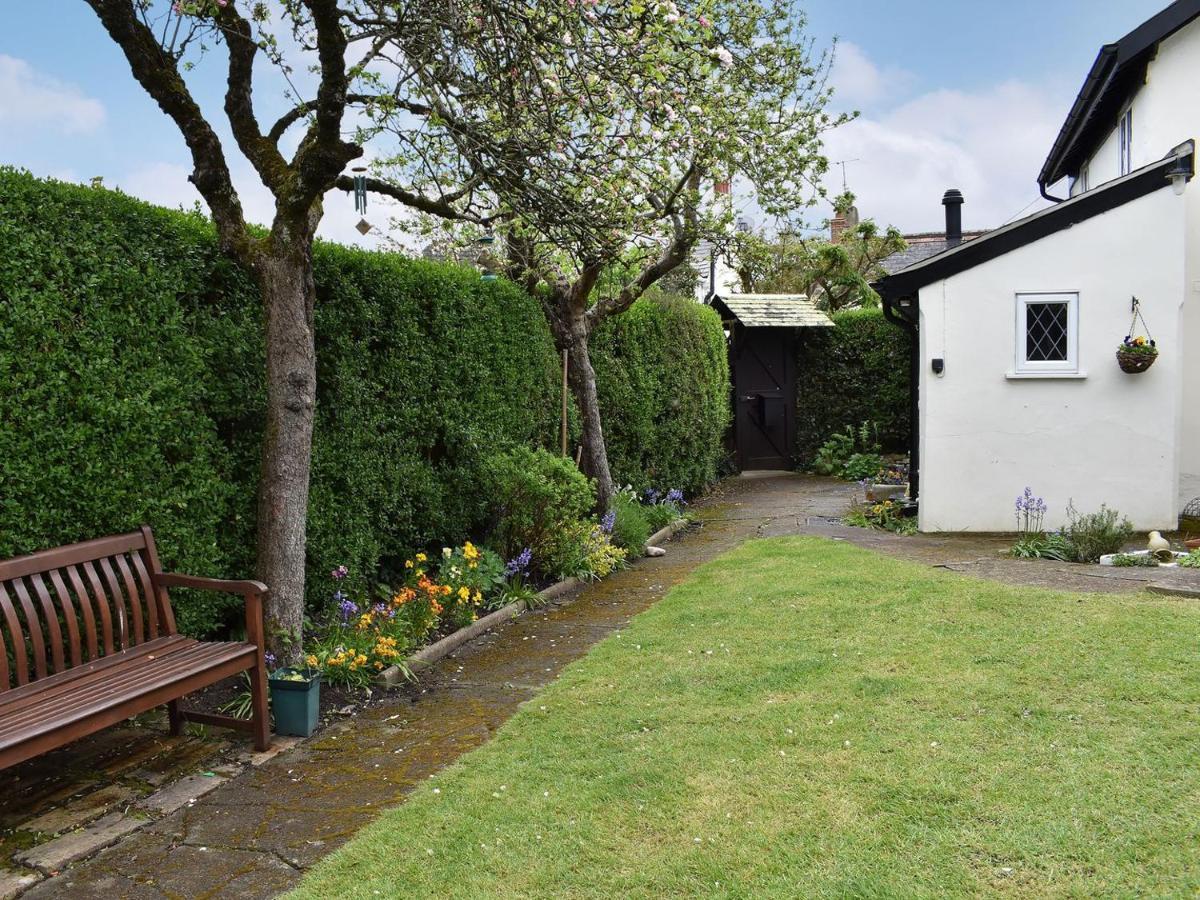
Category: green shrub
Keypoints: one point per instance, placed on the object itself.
(660, 515)
(631, 524)
(833, 455)
(131, 361)
(1130, 561)
(582, 550)
(856, 371)
(1036, 545)
(1096, 534)
(131, 378)
(662, 372)
(861, 466)
(536, 495)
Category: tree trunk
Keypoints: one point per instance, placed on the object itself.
(285, 277)
(583, 387)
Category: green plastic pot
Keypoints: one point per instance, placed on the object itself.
(296, 704)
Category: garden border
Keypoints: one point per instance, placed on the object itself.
(393, 676)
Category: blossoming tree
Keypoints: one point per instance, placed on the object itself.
(593, 132)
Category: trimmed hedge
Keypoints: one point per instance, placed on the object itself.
(131, 375)
(854, 372)
(131, 391)
(662, 372)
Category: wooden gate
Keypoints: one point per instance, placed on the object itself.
(764, 383)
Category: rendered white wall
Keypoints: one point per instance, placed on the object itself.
(1107, 438)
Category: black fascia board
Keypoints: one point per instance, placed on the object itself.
(1118, 71)
(1093, 203)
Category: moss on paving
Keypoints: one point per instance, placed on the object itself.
(805, 718)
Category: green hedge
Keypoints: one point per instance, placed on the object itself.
(131, 385)
(854, 372)
(131, 391)
(663, 376)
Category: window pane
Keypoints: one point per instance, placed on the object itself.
(1046, 332)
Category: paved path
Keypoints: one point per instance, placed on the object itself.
(254, 835)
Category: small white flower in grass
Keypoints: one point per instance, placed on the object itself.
(934, 745)
(845, 743)
(437, 790)
(696, 840)
(429, 851)
(496, 794)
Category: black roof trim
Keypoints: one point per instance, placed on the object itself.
(1057, 218)
(1116, 74)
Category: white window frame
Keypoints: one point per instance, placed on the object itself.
(1069, 366)
(1125, 142)
(1081, 181)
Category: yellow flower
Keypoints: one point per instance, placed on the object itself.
(408, 564)
(464, 593)
(421, 557)
(478, 597)
(310, 661)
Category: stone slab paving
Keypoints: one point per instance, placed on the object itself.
(253, 831)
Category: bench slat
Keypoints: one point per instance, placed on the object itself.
(138, 675)
(101, 601)
(67, 604)
(118, 602)
(147, 586)
(34, 627)
(16, 637)
(46, 688)
(135, 602)
(85, 606)
(70, 554)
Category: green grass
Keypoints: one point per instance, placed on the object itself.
(806, 719)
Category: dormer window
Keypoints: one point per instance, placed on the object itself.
(1125, 142)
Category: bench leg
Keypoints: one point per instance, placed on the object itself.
(176, 719)
(259, 707)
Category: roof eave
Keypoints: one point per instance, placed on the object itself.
(997, 243)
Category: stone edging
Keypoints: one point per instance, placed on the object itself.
(393, 676)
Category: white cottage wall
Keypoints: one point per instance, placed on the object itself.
(1101, 437)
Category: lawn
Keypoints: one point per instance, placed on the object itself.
(805, 718)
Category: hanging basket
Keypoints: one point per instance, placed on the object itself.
(1135, 363)
(1136, 354)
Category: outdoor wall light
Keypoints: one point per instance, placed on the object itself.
(1180, 174)
(939, 367)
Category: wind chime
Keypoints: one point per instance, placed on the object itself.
(360, 198)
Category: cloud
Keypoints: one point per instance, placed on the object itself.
(30, 99)
(988, 143)
(858, 82)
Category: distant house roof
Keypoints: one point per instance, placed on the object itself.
(1119, 70)
(921, 247)
(1059, 217)
(771, 310)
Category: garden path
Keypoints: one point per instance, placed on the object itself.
(256, 833)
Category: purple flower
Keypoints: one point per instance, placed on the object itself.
(269, 659)
(347, 607)
(608, 521)
(652, 495)
(339, 573)
(519, 564)
(675, 495)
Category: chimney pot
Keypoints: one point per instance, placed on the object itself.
(953, 201)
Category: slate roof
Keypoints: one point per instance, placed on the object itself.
(920, 248)
(771, 310)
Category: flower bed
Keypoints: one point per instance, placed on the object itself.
(378, 630)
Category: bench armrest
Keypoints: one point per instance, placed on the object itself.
(254, 592)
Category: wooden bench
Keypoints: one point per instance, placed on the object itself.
(88, 639)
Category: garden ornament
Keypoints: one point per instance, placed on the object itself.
(1159, 547)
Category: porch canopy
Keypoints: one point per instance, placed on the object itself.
(770, 311)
